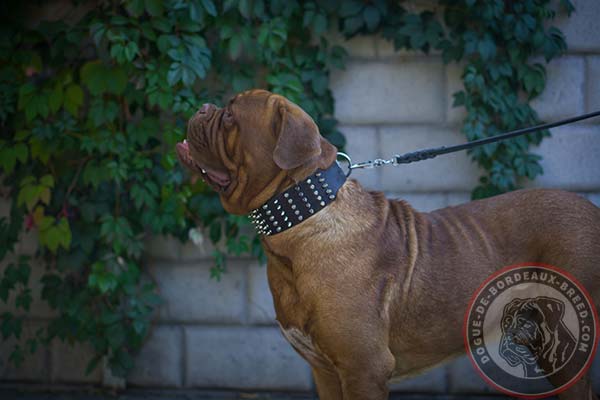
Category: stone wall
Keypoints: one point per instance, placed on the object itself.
(223, 334)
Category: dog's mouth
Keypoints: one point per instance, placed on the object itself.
(218, 180)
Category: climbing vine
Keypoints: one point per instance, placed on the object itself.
(93, 102)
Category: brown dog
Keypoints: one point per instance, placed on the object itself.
(368, 289)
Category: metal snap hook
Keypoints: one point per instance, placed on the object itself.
(345, 158)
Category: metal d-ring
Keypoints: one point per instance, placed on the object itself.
(347, 159)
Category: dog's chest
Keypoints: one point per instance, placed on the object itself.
(303, 344)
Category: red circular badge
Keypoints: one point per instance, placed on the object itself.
(531, 330)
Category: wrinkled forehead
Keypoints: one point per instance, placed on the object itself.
(255, 100)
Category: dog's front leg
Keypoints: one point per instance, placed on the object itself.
(328, 384)
(366, 378)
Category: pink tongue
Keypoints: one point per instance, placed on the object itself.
(220, 177)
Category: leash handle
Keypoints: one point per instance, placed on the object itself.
(426, 154)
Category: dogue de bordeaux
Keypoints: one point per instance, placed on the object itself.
(365, 288)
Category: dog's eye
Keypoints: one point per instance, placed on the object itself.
(228, 119)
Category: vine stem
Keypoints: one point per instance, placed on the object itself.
(76, 178)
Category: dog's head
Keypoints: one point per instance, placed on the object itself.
(530, 330)
(255, 147)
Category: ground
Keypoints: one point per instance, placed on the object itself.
(145, 394)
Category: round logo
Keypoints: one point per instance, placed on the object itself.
(530, 330)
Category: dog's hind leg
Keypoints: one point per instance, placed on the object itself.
(582, 390)
(328, 384)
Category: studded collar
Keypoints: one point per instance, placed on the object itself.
(299, 202)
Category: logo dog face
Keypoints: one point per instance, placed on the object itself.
(535, 336)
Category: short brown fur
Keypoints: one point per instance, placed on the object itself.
(369, 289)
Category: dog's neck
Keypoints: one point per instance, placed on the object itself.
(299, 202)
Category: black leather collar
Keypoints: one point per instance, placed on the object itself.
(299, 202)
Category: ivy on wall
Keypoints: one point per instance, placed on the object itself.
(92, 104)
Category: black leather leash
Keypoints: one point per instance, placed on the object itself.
(313, 194)
(434, 152)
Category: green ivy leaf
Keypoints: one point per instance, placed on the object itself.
(73, 99)
(210, 8)
(154, 7)
(372, 17)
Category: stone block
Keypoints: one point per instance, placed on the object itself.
(362, 143)
(379, 93)
(192, 296)
(69, 363)
(29, 243)
(581, 30)
(423, 202)
(243, 358)
(34, 367)
(160, 362)
(594, 198)
(592, 83)
(162, 247)
(456, 198)
(570, 158)
(260, 301)
(384, 49)
(433, 381)
(449, 172)
(564, 94)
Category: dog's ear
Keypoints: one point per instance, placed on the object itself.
(298, 137)
(552, 309)
(299, 142)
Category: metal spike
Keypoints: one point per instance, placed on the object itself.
(308, 181)
(297, 212)
(328, 191)
(322, 204)
(293, 206)
(321, 180)
(264, 207)
(276, 201)
(290, 201)
(289, 224)
(300, 218)
(311, 211)
(297, 188)
(318, 197)
(331, 196)
(304, 199)
(316, 192)
(301, 194)
(275, 223)
(286, 195)
(325, 185)
(312, 186)
(268, 212)
(278, 208)
(318, 174)
(271, 218)
(278, 229)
